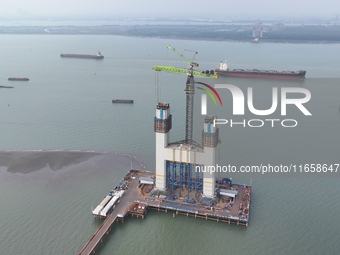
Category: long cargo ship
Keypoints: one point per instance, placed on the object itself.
(255, 73)
(122, 101)
(98, 55)
(18, 79)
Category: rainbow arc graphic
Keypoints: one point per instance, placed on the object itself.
(204, 97)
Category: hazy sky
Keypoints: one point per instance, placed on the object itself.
(169, 8)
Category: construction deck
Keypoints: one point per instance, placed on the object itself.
(138, 200)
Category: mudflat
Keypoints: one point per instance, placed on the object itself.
(30, 161)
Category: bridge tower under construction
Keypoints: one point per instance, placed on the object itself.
(180, 165)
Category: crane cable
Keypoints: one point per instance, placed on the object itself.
(157, 87)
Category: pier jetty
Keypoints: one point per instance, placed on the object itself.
(141, 196)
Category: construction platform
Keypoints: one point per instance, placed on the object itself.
(231, 205)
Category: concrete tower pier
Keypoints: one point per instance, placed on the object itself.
(162, 126)
(178, 164)
(210, 140)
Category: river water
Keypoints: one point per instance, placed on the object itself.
(66, 105)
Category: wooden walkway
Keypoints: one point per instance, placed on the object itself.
(130, 196)
(97, 237)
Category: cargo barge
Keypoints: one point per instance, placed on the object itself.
(122, 101)
(255, 73)
(98, 55)
(17, 79)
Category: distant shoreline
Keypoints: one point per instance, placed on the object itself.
(240, 34)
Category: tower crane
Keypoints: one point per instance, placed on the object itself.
(189, 87)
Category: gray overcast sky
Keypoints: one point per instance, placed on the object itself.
(169, 8)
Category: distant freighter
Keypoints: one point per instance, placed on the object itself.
(255, 73)
(98, 55)
(18, 79)
(124, 101)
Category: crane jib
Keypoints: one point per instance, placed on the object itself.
(180, 70)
